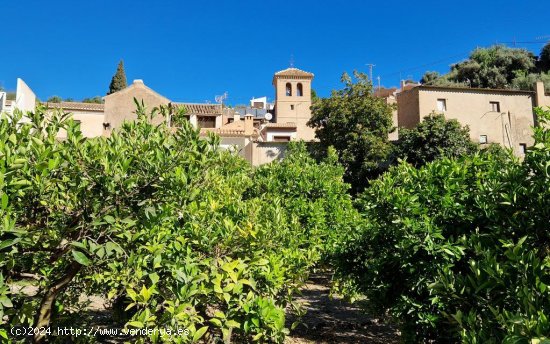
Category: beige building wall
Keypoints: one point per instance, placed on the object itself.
(235, 144)
(266, 152)
(294, 108)
(510, 126)
(393, 136)
(90, 115)
(91, 123)
(543, 99)
(408, 114)
(120, 106)
(272, 134)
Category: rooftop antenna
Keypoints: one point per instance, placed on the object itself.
(291, 62)
(219, 99)
(370, 70)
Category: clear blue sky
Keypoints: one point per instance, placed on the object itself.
(193, 50)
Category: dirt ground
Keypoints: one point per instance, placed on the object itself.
(333, 320)
(328, 320)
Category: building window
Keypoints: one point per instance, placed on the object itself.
(442, 105)
(288, 89)
(281, 138)
(292, 107)
(523, 148)
(482, 139)
(299, 90)
(206, 121)
(495, 106)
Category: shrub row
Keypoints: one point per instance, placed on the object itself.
(170, 230)
(457, 250)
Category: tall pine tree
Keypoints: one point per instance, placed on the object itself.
(119, 79)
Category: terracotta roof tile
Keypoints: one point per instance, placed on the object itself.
(293, 72)
(201, 109)
(228, 132)
(76, 106)
(235, 125)
(384, 92)
(281, 125)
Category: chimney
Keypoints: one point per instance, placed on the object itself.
(539, 93)
(402, 85)
(248, 124)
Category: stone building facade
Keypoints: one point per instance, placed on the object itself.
(497, 116)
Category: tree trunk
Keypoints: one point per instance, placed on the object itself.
(43, 317)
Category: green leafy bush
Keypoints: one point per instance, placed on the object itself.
(434, 137)
(457, 250)
(172, 231)
(313, 191)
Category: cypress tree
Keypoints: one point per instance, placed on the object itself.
(119, 79)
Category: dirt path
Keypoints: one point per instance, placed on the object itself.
(335, 320)
(327, 320)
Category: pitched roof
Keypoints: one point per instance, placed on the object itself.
(229, 132)
(200, 109)
(294, 72)
(138, 84)
(384, 92)
(281, 125)
(235, 125)
(77, 106)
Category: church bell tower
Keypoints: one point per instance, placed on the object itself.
(293, 100)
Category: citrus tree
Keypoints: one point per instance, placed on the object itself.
(172, 232)
(457, 250)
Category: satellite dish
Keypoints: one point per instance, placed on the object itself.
(268, 116)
